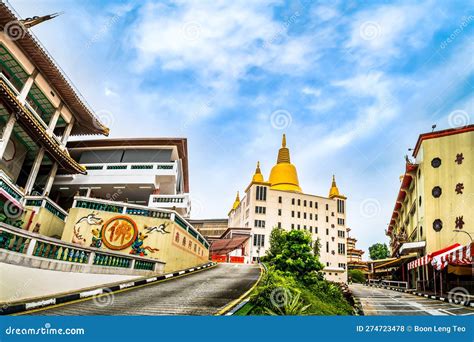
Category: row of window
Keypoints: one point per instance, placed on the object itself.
(340, 221)
(260, 210)
(259, 240)
(340, 206)
(259, 224)
(341, 233)
(261, 194)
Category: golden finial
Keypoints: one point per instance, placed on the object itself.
(283, 141)
(257, 177)
(334, 191)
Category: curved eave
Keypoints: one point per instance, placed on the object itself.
(88, 123)
(34, 127)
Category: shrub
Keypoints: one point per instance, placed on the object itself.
(357, 276)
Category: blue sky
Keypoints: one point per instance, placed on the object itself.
(351, 84)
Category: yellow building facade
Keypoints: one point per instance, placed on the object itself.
(434, 205)
(281, 202)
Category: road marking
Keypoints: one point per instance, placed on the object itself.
(40, 303)
(55, 306)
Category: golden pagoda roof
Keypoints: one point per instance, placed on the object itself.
(334, 191)
(236, 202)
(283, 175)
(257, 177)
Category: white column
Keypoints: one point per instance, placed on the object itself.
(27, 87)
(34, 171)
(7, 132)
(54, 118)
(88, 193)
(49, 182)
(67, 132)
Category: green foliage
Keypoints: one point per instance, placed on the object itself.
(379, 251)
(357, 276)
(292, 253)
(293, 284)
(317, 247)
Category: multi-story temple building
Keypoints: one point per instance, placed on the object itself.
(354, 255)
(100, 197)
(433, 210)
(280, 202)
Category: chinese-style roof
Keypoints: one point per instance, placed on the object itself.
(224, 246)
(439, 134)
(86, 121)
(180, 143)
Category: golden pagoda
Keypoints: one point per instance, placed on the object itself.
(334, 191)
(283, 175)
(257, 177)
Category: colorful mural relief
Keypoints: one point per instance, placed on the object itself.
(137, 235)
(90, 220)
(139, 249)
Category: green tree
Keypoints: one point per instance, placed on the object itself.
(378, 251)
(277, 240)
(317, 247)
(293, 254)
(357, 276)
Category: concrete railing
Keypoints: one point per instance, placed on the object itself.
(11, 189)
(389, 283)
(25, 248)
(46, 202)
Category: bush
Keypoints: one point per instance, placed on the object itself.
(357, 276)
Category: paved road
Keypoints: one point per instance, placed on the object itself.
(381, 302)
(202, 293)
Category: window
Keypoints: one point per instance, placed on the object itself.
(304, 227)
(259, 240)
(316, 230)
(341, 233)
(299, 201)
(260, 210)
(293, 201)
(327, 247)
(292, 226)
(436, 192)
(304, 203)
(327, 231)
(342, 265)
(279, 224)
(327, 218)
(310, 216)
(279, 199)
(340, 221)
(316, 205)
(304, 216)
(332, 214)
(299, 227)
(279, 212)
(259, 224)
(292, 213)
(316, 217)
(341, 248)
(436, 162)
(310, 229)
(310, 204)
(437, 225)
(340, 206)
(327, 206)
(299, 214)
(261, 194)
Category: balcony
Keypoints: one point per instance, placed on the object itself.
(48, 204)
(9, 190)
(36, 127)
(180, 203)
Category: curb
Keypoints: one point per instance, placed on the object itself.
(41, 303)
(413, 292)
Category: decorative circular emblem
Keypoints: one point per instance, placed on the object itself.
(119, 232)
(436, 162)
(437, 225)
(436, 192)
